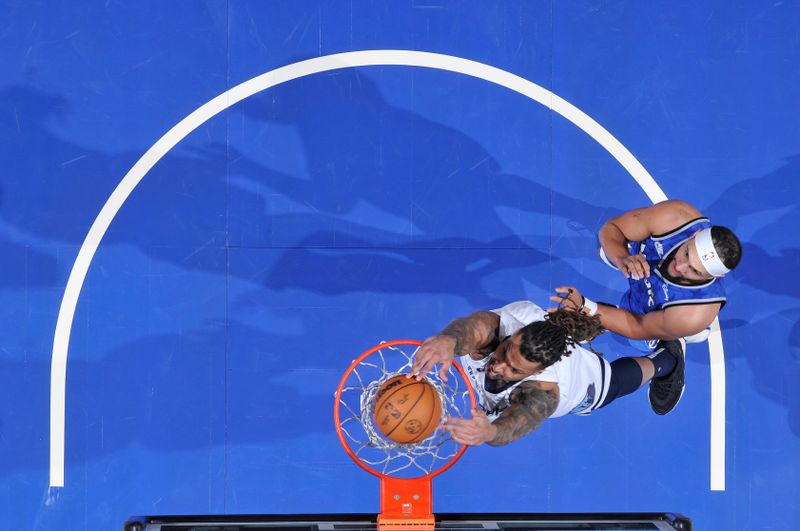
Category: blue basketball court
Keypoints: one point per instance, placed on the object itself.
(209, 209)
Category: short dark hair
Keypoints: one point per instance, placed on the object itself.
(546, 342)
(727, 245)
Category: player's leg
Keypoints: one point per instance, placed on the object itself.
(663, 368)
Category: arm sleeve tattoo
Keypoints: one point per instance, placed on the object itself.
(530, 405)
(473, 333)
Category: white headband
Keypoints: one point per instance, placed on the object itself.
(708, 254)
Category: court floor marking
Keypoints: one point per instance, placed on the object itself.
(66, 313)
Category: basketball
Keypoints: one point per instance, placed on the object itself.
(406, 410)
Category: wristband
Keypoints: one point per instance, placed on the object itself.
(590, 305)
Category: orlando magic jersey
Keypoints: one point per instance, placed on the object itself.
(657, 292)
(582, 377)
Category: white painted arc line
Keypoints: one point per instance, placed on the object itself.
(237, 94)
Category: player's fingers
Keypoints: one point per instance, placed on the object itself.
(478, 413)
(425, 369)
(634, 270)
(642, 264)
(421, 369)
(625, 267)
(458, 438)
(419, 362)
(422, 354)
(564, 298)
(462, 437)
(564, 290)
(469, 438)
(444, 369)
(454, 423)
(463, 434)
(453, 426)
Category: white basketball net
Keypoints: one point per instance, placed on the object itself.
(356, 406)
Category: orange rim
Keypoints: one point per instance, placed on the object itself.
(337, 418)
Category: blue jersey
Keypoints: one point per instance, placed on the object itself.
(657, 292)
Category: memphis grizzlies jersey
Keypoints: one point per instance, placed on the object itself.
(582, 377)
(656, 292)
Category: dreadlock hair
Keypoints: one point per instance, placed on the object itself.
(727, 245)
(546, 342)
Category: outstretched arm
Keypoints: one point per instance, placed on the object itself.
(531, 403)
(636, 225)
(672, 323)
(465, 335)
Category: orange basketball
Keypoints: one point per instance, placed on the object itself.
(406, 411)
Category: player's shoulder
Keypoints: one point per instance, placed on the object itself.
(524, 310)
(516, 315)
(668, 215)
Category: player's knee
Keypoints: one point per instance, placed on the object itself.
(626, 377)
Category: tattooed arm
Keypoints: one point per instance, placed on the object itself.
(531, 403)
(475, 334)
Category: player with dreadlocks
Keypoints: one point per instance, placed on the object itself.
(527, 365)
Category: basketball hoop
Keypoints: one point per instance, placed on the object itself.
(405, 470)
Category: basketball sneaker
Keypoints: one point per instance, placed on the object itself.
(666, 391)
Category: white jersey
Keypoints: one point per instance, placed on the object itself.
(582, 377)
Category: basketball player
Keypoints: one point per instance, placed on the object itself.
(526, 365)
(674, 260)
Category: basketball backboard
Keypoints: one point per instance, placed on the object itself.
(444, 521)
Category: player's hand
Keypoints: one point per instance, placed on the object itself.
(567, 297)
(634, 266)
(436, 349)
(472, 432)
